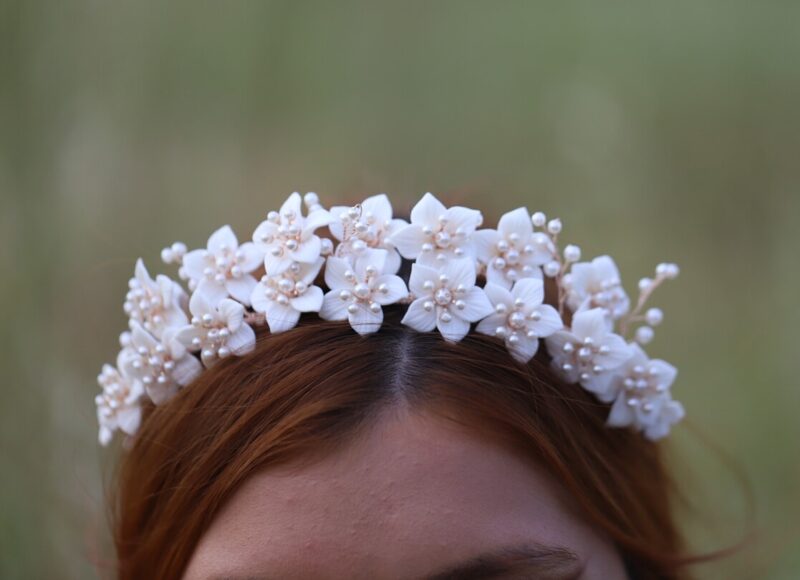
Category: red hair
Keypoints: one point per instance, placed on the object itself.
(306, 391)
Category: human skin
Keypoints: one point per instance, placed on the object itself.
(415, 497)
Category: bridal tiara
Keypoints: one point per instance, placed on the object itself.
(273, 279)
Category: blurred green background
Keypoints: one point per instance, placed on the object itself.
(657, 131)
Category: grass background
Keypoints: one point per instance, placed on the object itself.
(657, 131)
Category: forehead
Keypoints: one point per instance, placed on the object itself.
(413, 494)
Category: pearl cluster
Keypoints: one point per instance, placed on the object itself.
(362, 291)
(151, 363)
(582, 356)
(145, 305)
(361, 230)
(443, 297)
(116, 389)
(641, 383)
(214, 335)
(284, 287)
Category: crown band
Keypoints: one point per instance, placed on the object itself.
(172, 336)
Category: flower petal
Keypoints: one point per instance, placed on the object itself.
(548, 323)
(242, 341)
(590, 324)
(335, 269)
(293, 204)
(308, 251)
(498, 277)
(187, 334)
(281, 318)
(454, 330)
(310, 271)
(463, 218)
(485, 244)
(477, 305)
(618, 351)
(187, 369)
(621, 415)
(393, 262)
(333, 307)
(418, 318)
(161, 393)
(408, 241)
(308, 301)
(371, 257)
(490, 324)
(129, 418)
(241, 288)
(264, 230)
(232, 313)
(141, 273)
(194, 263)
(276, 265)
(336, 227)
(605, 268)
(498, 295)
(427, 211)
(258, 298)
(395, 289)
(365, 321)
(211, 291)
(525, 349)
(419, 275)
(529, 290)
(461, 271)
(517, 222)
(223, 238)
(253, 257)
(315, 220)
(379, 206)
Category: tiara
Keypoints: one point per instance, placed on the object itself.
(460, 276)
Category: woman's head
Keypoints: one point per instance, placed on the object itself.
(399, 455)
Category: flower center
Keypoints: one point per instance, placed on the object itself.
(443, 297)
(516, 320)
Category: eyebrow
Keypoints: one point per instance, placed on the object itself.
(547, 562)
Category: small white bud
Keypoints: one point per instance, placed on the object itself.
(539, 219)
(551, 269)
(554, 226)
(644, 283)
(644, 334)
(654, 316)
(572, 253)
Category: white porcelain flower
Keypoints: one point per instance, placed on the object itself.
(155, 304)
(283, 297)
(216, 331)
(287, 236)
(370, 226)
(163, 366)
(596, 284)
(436, 233)
(119, 404)
(359, 288)
(446, 299)
(224, 267)
(643, 400)
(513, 251)
(520, 317)
(589, 353)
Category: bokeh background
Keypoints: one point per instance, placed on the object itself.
(655, 130)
